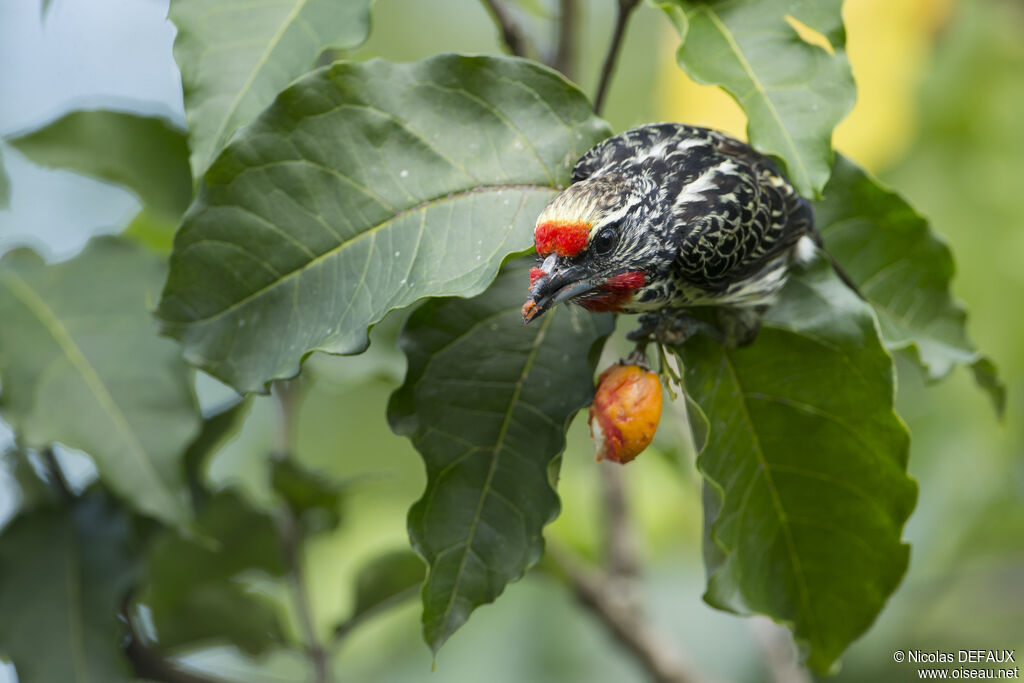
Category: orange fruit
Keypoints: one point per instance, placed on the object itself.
(625, 412)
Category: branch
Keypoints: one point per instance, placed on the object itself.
(287, 394)
(626, 8)
(619, 545)
(56, 475)
(292, 538)
(614, 603)
(613, 595)
(347, 626)
(513, 36)
(564, 59)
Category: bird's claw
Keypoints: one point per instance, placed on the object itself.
(670, 329)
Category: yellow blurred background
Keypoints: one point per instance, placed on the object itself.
(889, 45)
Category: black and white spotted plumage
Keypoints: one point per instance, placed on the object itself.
(710, 220)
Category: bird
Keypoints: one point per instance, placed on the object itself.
(667, 220)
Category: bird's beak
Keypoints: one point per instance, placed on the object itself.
(562, 283)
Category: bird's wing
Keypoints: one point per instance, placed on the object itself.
(737, 217)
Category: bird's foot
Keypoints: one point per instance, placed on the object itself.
(668, 330)
(671, 329)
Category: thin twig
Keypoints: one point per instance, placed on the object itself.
(287, 394)
(292, 537)
(619, 611)
(56, 475)
(350, 625)
(626, 8)
(564, 59)
(620, 548)
(511, 34)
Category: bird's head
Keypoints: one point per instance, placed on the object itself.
(593, 248)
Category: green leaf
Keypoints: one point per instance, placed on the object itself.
(146, 155)
(214, 430)
(81, 364)
(793, 92)
(33, 490)
(63, 575)
(152, 230)
(486, 402)
(364, 188)
(235, 56)
(384, 581)
(904, 270)
(311, 496)
(194, 593)
(805, 462)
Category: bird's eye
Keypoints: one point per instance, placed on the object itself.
(605, 241)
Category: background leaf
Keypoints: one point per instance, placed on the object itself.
(147, 155)
(63, 575)
(236, 55)
(793, 92)
(383, 581)
(904, 270)
(364, 188)
(194, 591)
(81, 365)
(807, 487)
(486, 402)
(312, 497)
(213, 432)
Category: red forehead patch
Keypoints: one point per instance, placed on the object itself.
(565, 238)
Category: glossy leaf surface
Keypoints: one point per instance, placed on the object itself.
(236, 55)
(905, 270)
(364, 188)
(793, 92)
(486, 402)
(805, 462)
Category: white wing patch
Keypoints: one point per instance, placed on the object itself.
(705, 182)
(806, 250)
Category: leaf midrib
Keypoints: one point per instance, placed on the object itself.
(257, 68)
(52, 324)
(742, 59)
(776, 501)
(422, 206)
(495, 457)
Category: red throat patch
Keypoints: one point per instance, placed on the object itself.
(565, 238)
(615, 292)
(535, 274)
